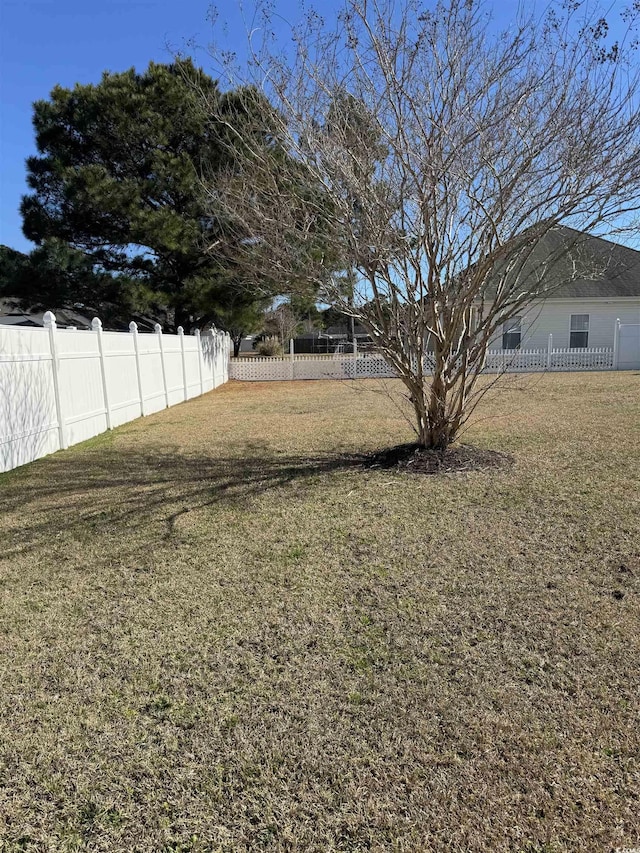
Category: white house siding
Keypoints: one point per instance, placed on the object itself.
(554, 317)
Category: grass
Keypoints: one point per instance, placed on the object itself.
(218, 633)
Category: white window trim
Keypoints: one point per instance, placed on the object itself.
(521, 319)
(588, 329)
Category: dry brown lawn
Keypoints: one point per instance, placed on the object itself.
(219, 633)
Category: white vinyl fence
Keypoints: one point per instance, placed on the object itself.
(62, 386)
(370, 365)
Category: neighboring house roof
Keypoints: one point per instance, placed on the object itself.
(594, 268)
(11, 314)
(16, 319)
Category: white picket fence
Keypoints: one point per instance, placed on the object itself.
(369, 365)
(522, 361)
(309, 367)
(61, 386)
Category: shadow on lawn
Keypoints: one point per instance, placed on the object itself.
(78, 493)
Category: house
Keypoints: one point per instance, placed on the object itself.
(598, 284)
(582, 312)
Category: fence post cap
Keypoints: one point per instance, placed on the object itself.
(49, 319)
(96, 324)
(133, 326)
(157, 329)
(197, 333)
(180, 330)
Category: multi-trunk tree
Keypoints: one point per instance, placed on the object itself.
(458, 166)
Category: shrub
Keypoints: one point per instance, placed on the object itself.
(269, 346)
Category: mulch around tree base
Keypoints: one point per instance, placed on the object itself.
(459, 458)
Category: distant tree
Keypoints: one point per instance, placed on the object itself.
(452, 156)
(282, 322)
(118, 180)
(304, 307)
(241, 315)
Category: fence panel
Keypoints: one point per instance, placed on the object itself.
(327, 368)
(309, 367)
(501, 361)
(62, 386)
(370, 366)
(600, 358)
(173, 367)
(151, 372)
(28, 417)
(261, 369)
(191, 362)
(628, 356)
(80, 381)
(121, 377)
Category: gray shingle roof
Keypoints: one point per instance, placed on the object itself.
(620, 267)
(595, 267)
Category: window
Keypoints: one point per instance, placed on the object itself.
(511, 333)
(579, 335)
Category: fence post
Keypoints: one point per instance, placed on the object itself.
(355, 348)
(199, 345)
(616, 344)
(184, 366)
(291, 356)
(50, 323)
(96, 325)
(550, 352)
(133, 328)
(158, 331)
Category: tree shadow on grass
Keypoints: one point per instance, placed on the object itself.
(75, 494)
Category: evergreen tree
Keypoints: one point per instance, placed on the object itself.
(117, 196)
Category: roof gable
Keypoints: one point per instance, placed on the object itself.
(594, 267)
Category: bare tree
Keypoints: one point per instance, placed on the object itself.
(283, 322)
(458, 169)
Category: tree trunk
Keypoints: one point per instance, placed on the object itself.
(439, 432)
(434, 427)
(182, 318)
(237, 341)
